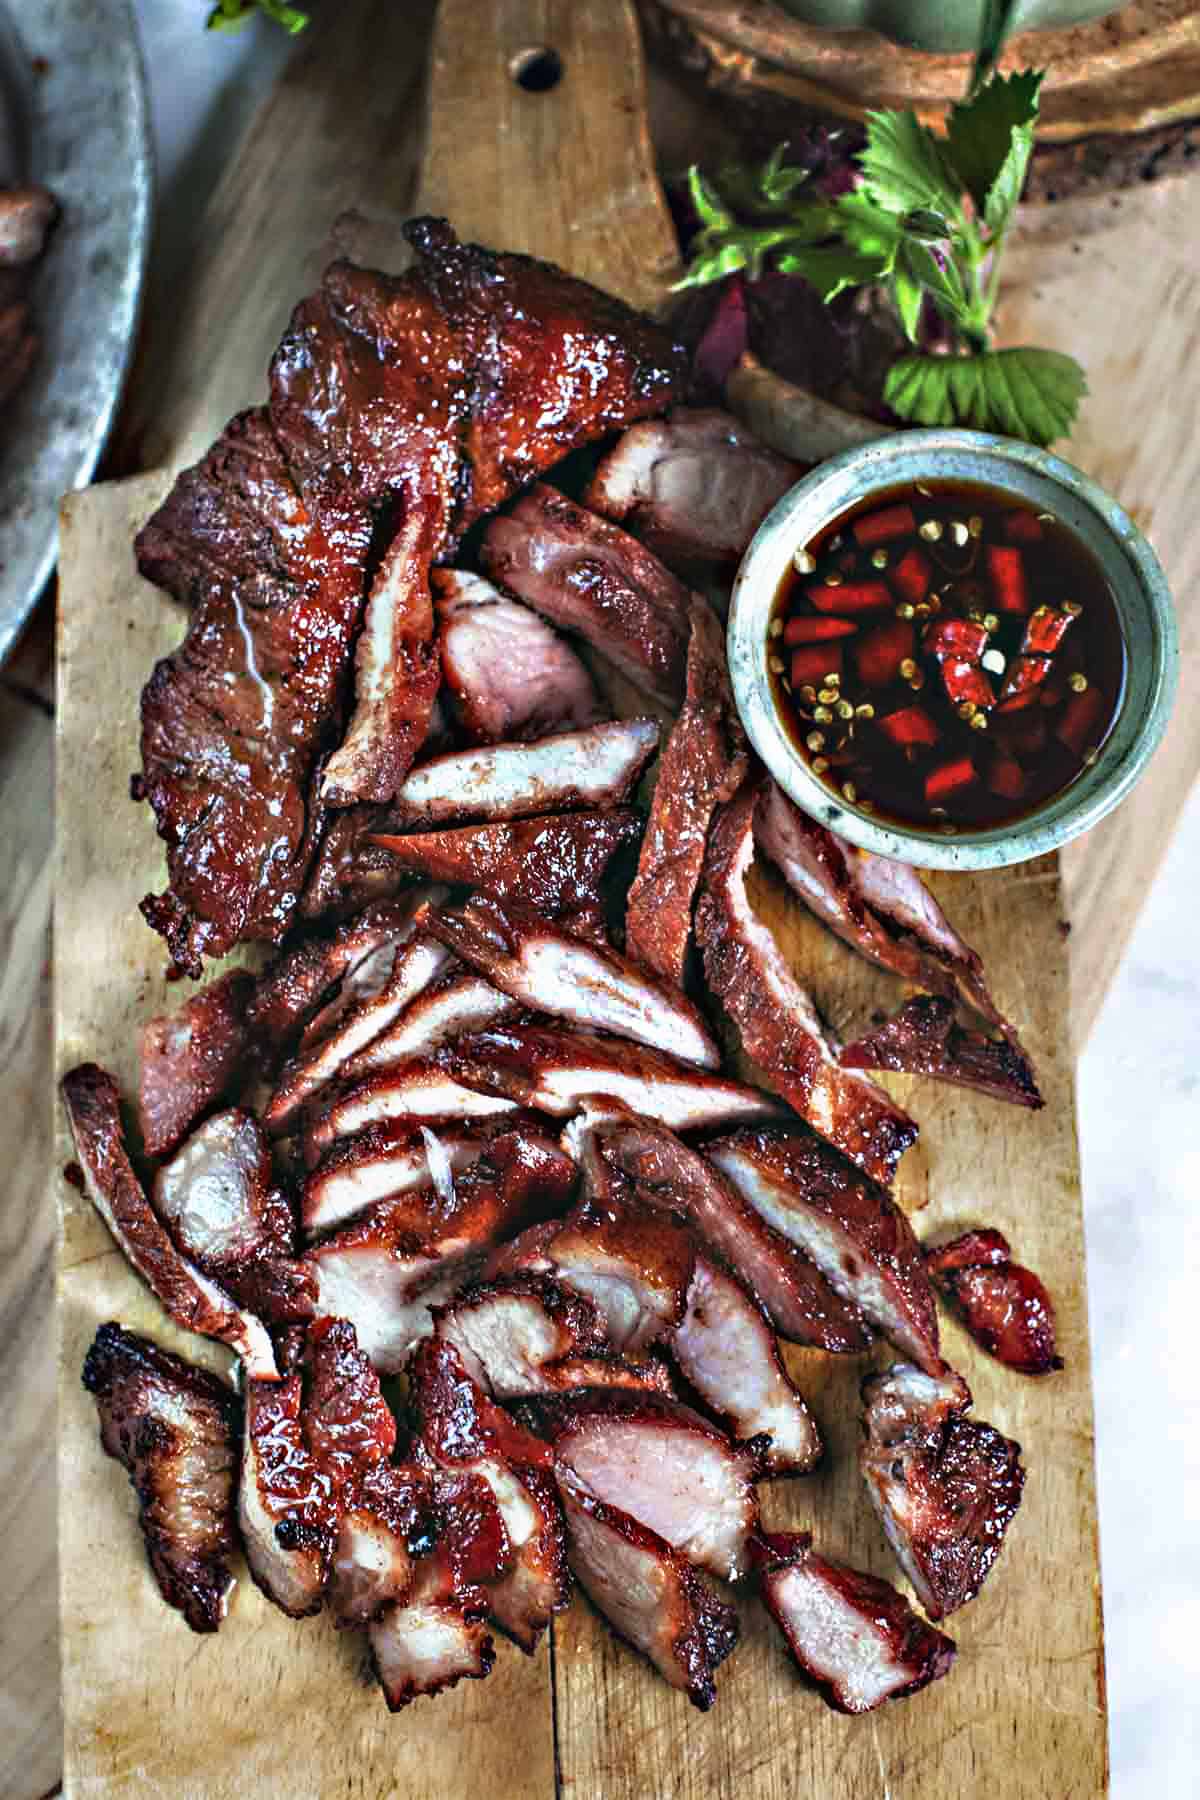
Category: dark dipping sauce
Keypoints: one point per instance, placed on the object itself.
(946, 656)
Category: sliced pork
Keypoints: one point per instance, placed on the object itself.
(694, 486)
(649, 1594)
(513, 678)
(1002, 1304)
(192, 1060)
(549, 971)
(573, 771)
(174, 1430)
(408, 1092)
(388, 1515)
(457, 1003)
(511, 1333)
(436, 1639)
(702, 766)
(848, 1224)
(287, 1510)
(946, 1487)
(924, 1038)
(780, 1028)
(351, 964)
(851, 1635)
(189, 1297)
(588, 576)
(554, 865)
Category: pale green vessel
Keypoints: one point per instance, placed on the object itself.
(941, 25)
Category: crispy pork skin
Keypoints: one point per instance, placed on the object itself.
(218, 1199)
(408, 1091)
(671, 1175)
(649, 1594)
(189, 1297)
(174, 1429)
(287, 1511)
(779, 1025)
(671, 1470)
(1002, 1304)
(192, 1060)
(851, 1635)
(554, 865)
(457, 1003)
(553, 1070)
(946, 1487)
(549, 971)
(848, 1224)
(297, 984)
(513, 678)
(726, 1350)
(702, 766)
(694, 486)
(924, 1038)
(572, 771)
(588, 576)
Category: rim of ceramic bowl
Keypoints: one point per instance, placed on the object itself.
(1139, 588)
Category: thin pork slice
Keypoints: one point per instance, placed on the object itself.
(353, 962)
(409, 1092)
(851, 1635)
(549, 971)
(703, 765)
(780, 1028)
(287, 1511)
(1003, 1305)
(388, 1514)
(555, 864)
(588, 576)
(174, 1430)
(189, 1297)
(924, 1038)
(192, 1060)
(848, 1224)
(458, 1003)
(513, 678)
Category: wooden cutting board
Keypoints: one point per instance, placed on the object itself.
(268, 1707)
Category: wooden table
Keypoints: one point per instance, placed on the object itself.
(1111, 281)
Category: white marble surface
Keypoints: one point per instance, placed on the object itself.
(1139, 1103)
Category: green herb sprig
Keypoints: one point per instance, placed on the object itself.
(232, 15)
(927, 220)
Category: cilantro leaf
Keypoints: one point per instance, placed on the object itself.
(232, 15)
(908, 295)
(831, 269)
(1024, 393)
(938, 273)
(904, 167)
(1005, 191)
(868, 229)
(983, 133)
(710, 209)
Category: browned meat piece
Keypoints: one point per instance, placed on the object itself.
(848, 1224)
(695, 486)
(26, 215)
(648, 1594)
(553, 1070)
(946, 1487)
(218, 1199)
(852, 1636)
(512, 677)
(409, 1092)
(511, 1333)
(726, 1350)
(192, 1060)
(799, 1301)
(1002, 1304)
(457, 1003)
(174, 1429)
(287, 1510)
(387, 1516)
(588, 576)
(597, 767)
(550, 971)
(436, 1639)
(189, 1297)
(923, 1038)
(703, 765)
(447, 388)
(347, 1424)
(290, 991)
(661, 1463)
(879, 907)
(779, 1025)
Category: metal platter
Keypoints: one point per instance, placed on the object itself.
(72, 116)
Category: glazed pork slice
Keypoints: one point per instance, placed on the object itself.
(851, 1635)
(573, 771)
(287, 1511)
(924, 1038)
(726, 1350)
(436, 1639)
(174, 1429)
(218, 1199)
(189, 1297)
(702, 766)
(457, 1003)
(946, 1487)
(354, 962)
(694, 486)
(408, 1091)
(648, 1593)
(513, 678)
(848, 1224)
(510, 1334)
(780, 1028)
(553, 1070)
(387, 1518)
(549, 971)
(192, 1060)
(664, 1465)
(588, 576)
(1002, 1304)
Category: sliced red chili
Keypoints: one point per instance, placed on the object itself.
(948, 779)
(955, 637)
(912, 575)
(1006, 777)
(1025, 673)
(912, 725)
(1045, 631)
(965, 681)
(813, 662)
(879, 653)
(804, 629)
(1081, 715)
(1022, 528)
(1017, 702)
(851, 597)
(1009, 586)
(884, 527)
